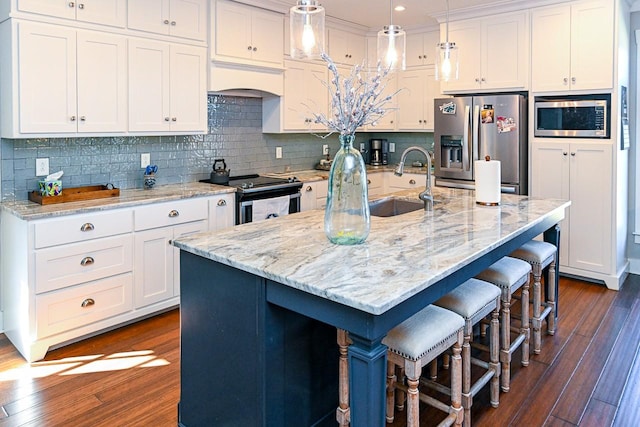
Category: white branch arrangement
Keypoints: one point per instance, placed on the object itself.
(355, 100)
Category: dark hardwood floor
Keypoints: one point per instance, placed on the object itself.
(588, 373)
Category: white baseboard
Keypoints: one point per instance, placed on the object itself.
(634, 265)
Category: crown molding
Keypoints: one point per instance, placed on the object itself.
(492, 8)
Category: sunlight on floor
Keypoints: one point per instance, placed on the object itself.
(84, 365)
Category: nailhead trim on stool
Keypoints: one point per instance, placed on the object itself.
(540, 255)
(510, 274)
(474, 300)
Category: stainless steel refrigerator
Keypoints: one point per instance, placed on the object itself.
(468, 128)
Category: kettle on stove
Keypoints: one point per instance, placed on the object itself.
(220, 173)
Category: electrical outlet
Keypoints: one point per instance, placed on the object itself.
(325, 149)
(392, 147)
(145, 160)
(42, 167)
(278, 152)
(362, 147)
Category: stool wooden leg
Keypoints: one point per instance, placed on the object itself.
(342, 413)
(505, 340)
(525, 328)
(467, 397)
(391, 389)
(494, 351)
(456, 382)
(551, 299)
(413, 370)
(536, 322)
(434, 369)
(400, 395)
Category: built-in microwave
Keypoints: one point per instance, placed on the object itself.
(577, 116)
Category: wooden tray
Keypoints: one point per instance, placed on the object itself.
(76, 194)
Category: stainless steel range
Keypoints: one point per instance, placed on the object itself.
(262, 197)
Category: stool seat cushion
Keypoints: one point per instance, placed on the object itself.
(506, 273)
(534, 252)
(470, 298)
(423, 332)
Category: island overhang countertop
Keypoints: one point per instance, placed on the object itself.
(402, 256)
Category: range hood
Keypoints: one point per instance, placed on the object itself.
(243, 80)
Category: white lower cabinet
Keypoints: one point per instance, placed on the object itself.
(70, 276)
(375, 183)
(582, 173)
(405, 182)
(314, 195)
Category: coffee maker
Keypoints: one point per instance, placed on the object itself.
(378, 152)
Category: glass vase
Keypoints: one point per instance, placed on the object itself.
(347, 219)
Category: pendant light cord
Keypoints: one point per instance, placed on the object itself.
(447, 24)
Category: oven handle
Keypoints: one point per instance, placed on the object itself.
(250, 202)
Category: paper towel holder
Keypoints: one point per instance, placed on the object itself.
(485, 203)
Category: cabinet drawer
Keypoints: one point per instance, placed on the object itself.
(171, 213)
(82, 305)
(75, 228)
(64, 266)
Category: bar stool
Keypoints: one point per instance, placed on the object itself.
(510, 274)
(415, 343)
(474, 300)
(540, 255)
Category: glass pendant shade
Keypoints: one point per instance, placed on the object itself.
(392, 42)
(306, 24)
(446, 61)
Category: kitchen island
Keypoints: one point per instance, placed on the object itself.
(260, 304)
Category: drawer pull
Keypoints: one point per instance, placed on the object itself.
(174, 213)
(88, 303)
(309, 188)
(412, 181)
(222, 202)
(87, 261)
(87, 227)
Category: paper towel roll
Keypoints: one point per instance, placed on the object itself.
(487, 182)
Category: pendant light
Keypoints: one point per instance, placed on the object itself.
(306, 24)
(446, 56)
(391, 44)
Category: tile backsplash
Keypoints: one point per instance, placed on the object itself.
(235, 134)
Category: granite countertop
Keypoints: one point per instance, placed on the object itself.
(322, 175)
(402, 256)
(27, 210)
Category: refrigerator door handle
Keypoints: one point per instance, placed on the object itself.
(473, 147)
(465, 138)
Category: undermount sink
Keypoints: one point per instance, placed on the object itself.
(392, 206)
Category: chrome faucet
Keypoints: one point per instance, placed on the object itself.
(426, 196)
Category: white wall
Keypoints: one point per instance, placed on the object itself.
(633, 248)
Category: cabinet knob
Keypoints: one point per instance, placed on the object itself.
(174, 119)
(83, 119)
(166, 119)
(72, 4)
(72, 118)
(565, 80)
(420, 121)
(173, 23)
(483, 80)
(419, 56)
(564, 153)
(391, 121)
(88, 303)
(255, 49)
(412, 181)
(309, 188)
(573, 79)
(87, 226)
(165, 22)
(477, 80)
(573, 154)
(222, 202)
(248, 47)
(368, 181)
(81, 6)
(174, 213)
(87, 261)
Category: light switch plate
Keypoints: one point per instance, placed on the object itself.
(392, 147)
(42, 167)
(325, 149)
(145, 160)
(278, 152)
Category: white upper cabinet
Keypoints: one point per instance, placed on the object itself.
(178, 18)
(67, 80)
(493, 53)
(105, 12)
(417, 90)
(347, 48)
(572, 47)
(421, 48)
(167, 91)
(247, 35)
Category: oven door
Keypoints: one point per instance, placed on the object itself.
(244, 203)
